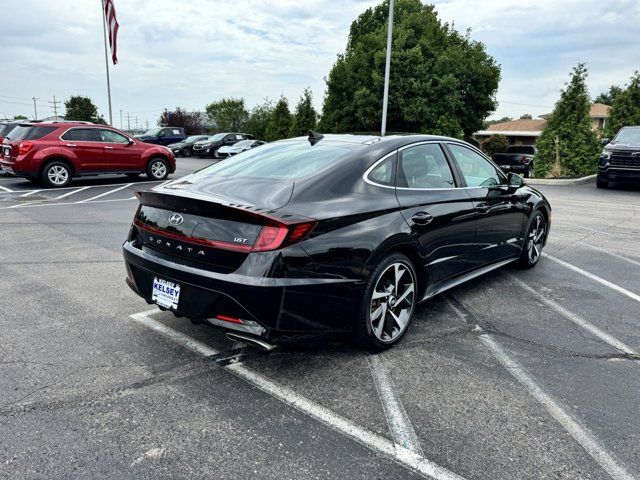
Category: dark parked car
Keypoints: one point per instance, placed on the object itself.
(209, 147)
(163, 135)
(620, 159)
(517, 158)
(53, 153)
(185, 147)
(341, 233)
(6, 127)
(241, 146)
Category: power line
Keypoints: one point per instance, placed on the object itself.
(54, 105)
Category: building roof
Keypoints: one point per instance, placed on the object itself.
(599, 110)
(522, 127)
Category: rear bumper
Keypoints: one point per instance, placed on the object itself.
(515, 168)
(616, 174)
(270, 307)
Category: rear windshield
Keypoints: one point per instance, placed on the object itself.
(282, 160)
(29, 132)
(521, 149)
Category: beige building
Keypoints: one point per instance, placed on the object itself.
(526, 132)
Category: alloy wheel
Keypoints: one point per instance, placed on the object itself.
(58, 175)
(392, 302)
(536, 238)
(158, 169)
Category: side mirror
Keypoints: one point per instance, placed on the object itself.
(161, 134)
(130, 141)
(514, 181)
(604, 141)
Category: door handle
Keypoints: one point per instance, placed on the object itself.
(71, 145)
(422, 218)
(108, 148)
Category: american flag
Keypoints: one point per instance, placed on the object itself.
(112, 25)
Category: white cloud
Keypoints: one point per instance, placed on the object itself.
(189, 53)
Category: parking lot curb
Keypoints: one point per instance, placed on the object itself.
(561, 181)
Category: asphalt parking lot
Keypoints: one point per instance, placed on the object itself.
(519, 374)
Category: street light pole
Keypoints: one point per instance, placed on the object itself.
(35, 109)
(387, 68)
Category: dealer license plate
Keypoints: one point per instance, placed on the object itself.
(165, 293)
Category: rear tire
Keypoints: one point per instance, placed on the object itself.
(601, 183)
(56, 174)
(527, 172)
(186, 152)
(533, 241)
(157, 169)
(390, 298)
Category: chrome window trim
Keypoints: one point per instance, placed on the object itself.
(367, 172)
(90, 141)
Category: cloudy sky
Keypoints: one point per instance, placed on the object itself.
(189, 53)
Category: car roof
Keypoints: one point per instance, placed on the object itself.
(368, 139)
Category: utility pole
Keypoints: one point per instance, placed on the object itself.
(136, 123)
(35, 109)
(387, 69)
(54, 105)
(147, 123)
(106, 58)
(121, 120)
(128, 122)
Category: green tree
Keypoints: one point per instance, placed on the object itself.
(279, 124)
(488, 123)
(227, 114)
(526, 116)
(192, 122)
(567, 145)
(609, 96)
(494, 144)
(82, 109)
(259, 119)
(305, 117)
(19, 117)
(442, 82)
(625, 109)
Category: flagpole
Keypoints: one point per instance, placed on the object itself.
(106, 58)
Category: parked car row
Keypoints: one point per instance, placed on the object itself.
(210, 146)
(52, 153)
(517, 158)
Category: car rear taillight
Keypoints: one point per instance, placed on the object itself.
(24, 147)
(272, 237)
(523, 159)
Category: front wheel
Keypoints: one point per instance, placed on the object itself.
(601, 183)
(534, 241)
(158, 169)
(389, 301)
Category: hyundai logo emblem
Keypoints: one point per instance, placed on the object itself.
(176, 219)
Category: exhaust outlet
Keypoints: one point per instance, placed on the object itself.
(250, 340)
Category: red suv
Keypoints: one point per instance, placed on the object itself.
(53, 153)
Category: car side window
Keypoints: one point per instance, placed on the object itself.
(477, 170)
(82, 135)
(424, 166)
(230, 138)
(384, 173)
(239, 137)
(110, 136)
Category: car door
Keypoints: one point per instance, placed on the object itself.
(87, 147)
(440, 215)
(500, 212)
(119, 153)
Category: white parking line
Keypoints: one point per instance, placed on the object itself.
(399, 423)
(581, 434)
(106, 193)
(34, 204)
(371, 440)
(29, 193)
(595, 278)
(65, 195)
(576, 319)
(5, 189)
(588, 229)
(613, 254)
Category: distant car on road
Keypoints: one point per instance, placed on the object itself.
(331, 234)
(620, 159)
(185, 147)
(54, 153)
(242, 146)
(517, 158)
(208, 148)
(163, 135)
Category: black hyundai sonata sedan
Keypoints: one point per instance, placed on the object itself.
(330, 234)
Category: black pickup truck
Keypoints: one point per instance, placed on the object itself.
(517, 158)
(620, 159)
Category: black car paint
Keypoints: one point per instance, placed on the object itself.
(209, 149)
(623, 164)
(184, 145)
(317, 285)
